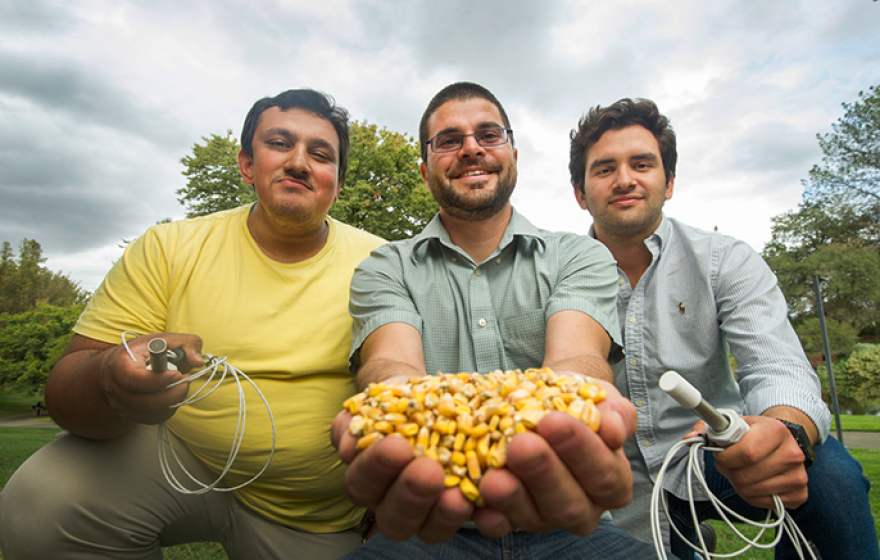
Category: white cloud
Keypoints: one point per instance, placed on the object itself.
(99, 101)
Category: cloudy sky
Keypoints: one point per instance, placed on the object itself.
(99, 99)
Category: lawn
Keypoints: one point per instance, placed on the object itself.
(17, 444)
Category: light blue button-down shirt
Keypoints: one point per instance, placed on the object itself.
(487, 316)
(703, 295)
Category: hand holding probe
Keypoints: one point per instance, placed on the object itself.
(160, 355)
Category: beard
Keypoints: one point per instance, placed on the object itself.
(476, 204)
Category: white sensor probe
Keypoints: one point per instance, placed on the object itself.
(723, 426)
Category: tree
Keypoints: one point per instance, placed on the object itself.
(25, 281)
(31, 343)
(838, 241)
(851, 164)
(383, 192)
(842, 337)
(213, 181)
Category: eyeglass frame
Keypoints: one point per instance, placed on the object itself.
(505, 134)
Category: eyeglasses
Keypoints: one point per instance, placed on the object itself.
(453, 141)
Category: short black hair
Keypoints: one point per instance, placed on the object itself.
(317, 102)
(459, 91)
(621, 114)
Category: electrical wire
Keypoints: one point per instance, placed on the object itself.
(214, 366)
(782, 523)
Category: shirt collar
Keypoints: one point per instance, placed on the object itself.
(518, 226)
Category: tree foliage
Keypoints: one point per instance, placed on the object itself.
(851, 162)
(213, 182)
(383, 192)
(835, 232)
(862, 372)
(842, 337)
(25, 281)
(32, 342)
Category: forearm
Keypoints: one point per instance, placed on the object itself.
(591, 366)
(380, 370)
(77, 400)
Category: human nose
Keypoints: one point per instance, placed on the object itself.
(624, 177)
(470, 146)
(297, 160)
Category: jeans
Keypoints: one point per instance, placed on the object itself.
(836, 517)
(606, 542)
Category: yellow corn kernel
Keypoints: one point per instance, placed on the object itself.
(395, 418)
(369, 439)
(592, 417)
(409, 429)
(469, 490)
(473, 466)
(431, 452)
(435, 439)
(459, 458)
(422, 437)
(531, 418)
(451, 427)
(481, 429)
(383, 427)
(459, 442)
(451, 480)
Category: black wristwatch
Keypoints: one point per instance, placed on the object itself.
(803, 440)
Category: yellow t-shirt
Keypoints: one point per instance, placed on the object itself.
(285, 325)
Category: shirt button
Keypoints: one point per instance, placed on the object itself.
(634, 362)
(640, 402)
(633, 320)
(647, 443)
(497, 260)
(454, 259)
(482, 322)
(478, 272)
(620, 281)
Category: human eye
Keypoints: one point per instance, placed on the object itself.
(322, 156)
(490, 136)
(445, 141)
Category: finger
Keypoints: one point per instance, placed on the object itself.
(492, 523)
(341, 438)
(618, 421)
(373, 470)
(446, 517)
(557, 495)
(410, 499)
(602, 474)
(508, 504)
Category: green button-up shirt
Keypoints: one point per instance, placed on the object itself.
(486, 316)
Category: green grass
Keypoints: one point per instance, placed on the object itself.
(728, 541)
(857, 423)
(17, 444)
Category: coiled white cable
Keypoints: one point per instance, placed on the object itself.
(691, 399)
(213, 367)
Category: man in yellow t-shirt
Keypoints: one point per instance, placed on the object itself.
(265, 286)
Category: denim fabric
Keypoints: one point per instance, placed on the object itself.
(606, 542)
(836, 517)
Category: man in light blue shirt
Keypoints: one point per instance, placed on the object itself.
(686, 299)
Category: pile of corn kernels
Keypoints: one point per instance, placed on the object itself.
(464, 421)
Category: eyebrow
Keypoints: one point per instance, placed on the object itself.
(647, 156)
(481, 126)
